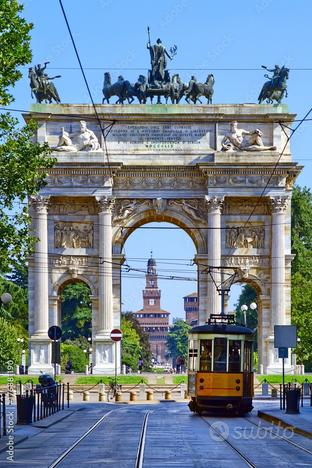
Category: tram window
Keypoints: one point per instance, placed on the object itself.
(234, 356)
(205, 355)
(247, 356)
(193, 347)
(219, 363)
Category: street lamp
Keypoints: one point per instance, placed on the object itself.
(88, 351)
(6, 298)
(244, 308)
(21, 341)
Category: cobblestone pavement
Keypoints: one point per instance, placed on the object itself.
(173, 437)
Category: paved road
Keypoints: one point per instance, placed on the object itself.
(173, 437)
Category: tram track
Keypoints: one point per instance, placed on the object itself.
(140, 449)
(63, 455)
(285, 439)
(141, 446)
(270, 430)
(236, 449)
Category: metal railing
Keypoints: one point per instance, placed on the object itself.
(41, 401)
(3, 430)
(305, 391)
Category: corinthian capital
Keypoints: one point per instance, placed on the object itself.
(105, 204)
(214, 204)
(279, 204)
(39, 204)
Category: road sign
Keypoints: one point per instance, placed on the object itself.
(54, 333)
(283, 353)
(56, 352)
(116, 334)
(285, 336)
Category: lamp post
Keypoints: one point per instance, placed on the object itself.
(21, 341)
(88, 351)
(244, 308)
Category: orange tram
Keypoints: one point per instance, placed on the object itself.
(220, 370)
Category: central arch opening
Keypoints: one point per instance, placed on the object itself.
(162, 276)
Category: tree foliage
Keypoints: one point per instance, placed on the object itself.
(130, 345)
(177, 341)
(16, 312)
(77, 356)
(23, 162)
(9, 347)
(146, 354)
(301, 292)
(76, 311)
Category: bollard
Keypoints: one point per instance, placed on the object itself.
(168, 395)
(274, 393)
(149, 395)
(101, 396)
(306, 389)
(186, 395)
(265, 388)
(118, 396)
(142, 392)
(133, 395)
(70, 395)
(182, 390)
(86, 396)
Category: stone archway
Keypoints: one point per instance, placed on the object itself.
(162, 163)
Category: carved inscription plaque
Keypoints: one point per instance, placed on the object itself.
(73, 235)
(154, 137)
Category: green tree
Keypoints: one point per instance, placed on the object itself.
(247, 296)
(146, 353)
(74, 353)
(301, 287)
(76, 311)
(16, 312)
(130, 344)
(23, 162)
(9, 346)
(177, 341)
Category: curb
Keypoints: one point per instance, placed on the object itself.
(22, 439)
(282, 423)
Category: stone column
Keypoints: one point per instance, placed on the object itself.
(105, 313)
(201, 261)
(104, 351)
(40, 352)
(54, 311)
(279, 205)
(40, 274)
(214, 207)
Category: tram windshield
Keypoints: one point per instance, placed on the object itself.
(205, 355)
(234, 356)
(220, 354)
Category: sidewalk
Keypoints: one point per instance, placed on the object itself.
(23, 432)
(300, 423)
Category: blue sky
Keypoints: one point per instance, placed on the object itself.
(209, 35)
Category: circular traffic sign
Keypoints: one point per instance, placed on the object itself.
(116, 334)
(54, 333)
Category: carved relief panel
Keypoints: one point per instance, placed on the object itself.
(73, 235)
(245, 237)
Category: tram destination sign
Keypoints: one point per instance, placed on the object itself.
(116, 334)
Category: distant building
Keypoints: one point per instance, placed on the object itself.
(191, 308)
(153, 319)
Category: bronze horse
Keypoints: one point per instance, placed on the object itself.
(48, 94)
(196, 90)
(275, 89)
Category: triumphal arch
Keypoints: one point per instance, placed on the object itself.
(210, 169)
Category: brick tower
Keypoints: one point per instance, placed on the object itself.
(153, 319)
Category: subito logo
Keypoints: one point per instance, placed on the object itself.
(219, 430)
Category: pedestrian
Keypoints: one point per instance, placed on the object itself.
(140, 365)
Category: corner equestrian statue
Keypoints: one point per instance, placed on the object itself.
(276, 88)
(41, 84)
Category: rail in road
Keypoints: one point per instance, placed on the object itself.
(162, 435)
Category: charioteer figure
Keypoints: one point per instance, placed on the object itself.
(276, 88)
(41, 84)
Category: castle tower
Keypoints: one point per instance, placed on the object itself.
(153, 319)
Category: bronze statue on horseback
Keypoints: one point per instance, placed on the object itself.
(41, 84)
(276, 88)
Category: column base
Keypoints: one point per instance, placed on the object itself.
(106, 351)
(275, 365)
(40, 355)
